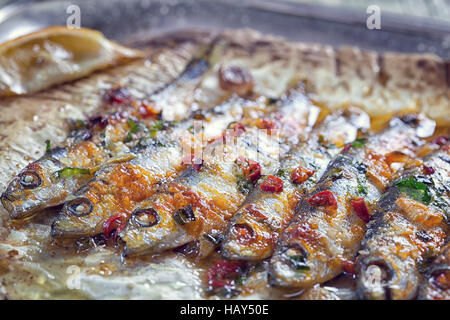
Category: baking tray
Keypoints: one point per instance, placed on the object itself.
(123, 20)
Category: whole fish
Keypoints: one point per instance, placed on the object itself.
(330, 222)
(110, 197)
(94, 142)
(200, 202)
(436, 284)
(408, 228)
(255, 228)
(219, 82)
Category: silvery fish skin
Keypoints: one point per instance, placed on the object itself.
(208, 198)
(254, 230)
(409, 227)
(24, 199)
(197, 91)
(116, 188)
(436, 283)
(326, 231)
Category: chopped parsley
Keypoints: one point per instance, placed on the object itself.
(359, 142)
(244, 184)
(69, 172)
(282, 173)
(362, 189)
(47, 146)
(415, 189)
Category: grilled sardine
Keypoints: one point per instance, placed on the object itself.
(331, 219)
(90, 147)
(200, 203)
(436, 284)
(408, 228)
(255, 228)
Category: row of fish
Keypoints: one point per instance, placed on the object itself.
(316, 195)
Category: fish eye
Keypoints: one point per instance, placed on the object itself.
(30, 180)
(146, 217)
(80, 207)
(380, 269)
(296, 256)
(243, 232)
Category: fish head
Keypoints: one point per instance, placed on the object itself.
(85, 212)
(383, 278)
(248, 239)
(34, 188)
(151, 227)
(294, 266)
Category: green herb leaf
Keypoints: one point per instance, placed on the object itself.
(134, 126)
(244, 184)
(415, 189)
(359, 142)
(362, 189)
(69, 172)
(47, 146)
(282, 173)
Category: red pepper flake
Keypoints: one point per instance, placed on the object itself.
(346, 148)
(272, 184)
(224, 273)
(250, 168)
(428, 169)
(300, 174)
(441, 140)
(359, 205)
(267, 124)
(113, 226)
(348, 267)
(147, 110)
(118, 96)
(238, 129)
(324, 198)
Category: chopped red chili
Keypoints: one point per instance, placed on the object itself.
(238, 129)
(348, 267)
(428, 169)
(300, 174)
(113, 226)
(359, 205)
(250, 168)
(224, 273)
(147, 110)
(267, 124)
(440, 140)
(272, 184)
(118, 96)
(324, 198)
(346, 148)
